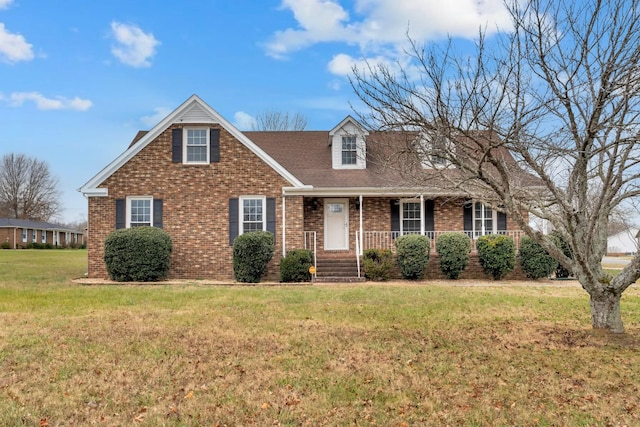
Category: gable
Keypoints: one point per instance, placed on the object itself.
(193, 110)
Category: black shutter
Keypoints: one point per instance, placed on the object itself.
(214, 145)
(467, 214)
(502, 221)
(157, 213)
(176, 145)
(233, 220)
(395, 215)
(271, 215)
(121, 214)
(429, 223)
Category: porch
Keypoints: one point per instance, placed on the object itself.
(339, 229)
(345, 265)
(386, 240)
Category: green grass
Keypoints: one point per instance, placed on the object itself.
(380, 354)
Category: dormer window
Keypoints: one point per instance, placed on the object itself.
(348, 145)
(349, 152)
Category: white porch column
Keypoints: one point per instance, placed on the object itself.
(422, 214)
(361, 226)
(284, 228)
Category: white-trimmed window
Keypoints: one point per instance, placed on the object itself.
(196, 146)
(252, 214)
(433, 151)
(43, 233)
(485, 220)
(139, 211)
(349, 150)
(410, 217)
(34, 235)
(24, 235)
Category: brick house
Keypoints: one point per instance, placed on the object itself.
(20, 233)
(204, 182)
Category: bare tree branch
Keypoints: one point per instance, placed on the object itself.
(560, 93)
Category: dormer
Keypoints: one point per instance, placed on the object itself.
(434, 150)
(348, 145)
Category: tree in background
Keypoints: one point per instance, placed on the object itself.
(560, 91)
(277, 120)
(27, 189)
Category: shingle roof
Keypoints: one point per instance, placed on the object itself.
(39, 225)
(307, 155)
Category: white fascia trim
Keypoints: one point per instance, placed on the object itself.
(363, 191)
(94, 192)
(344, 122)
(92, 185)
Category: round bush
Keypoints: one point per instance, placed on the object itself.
(413, 255)
(535, 261)
(295, 266)
(377, 264)
(497, 254)
(453, 252)
(562, 272)
(139, 254)
(251, 254)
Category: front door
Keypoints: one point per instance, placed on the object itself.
(336, 224)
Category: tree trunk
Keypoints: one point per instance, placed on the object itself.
(605, 311)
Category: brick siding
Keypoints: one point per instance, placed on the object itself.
(195, 205)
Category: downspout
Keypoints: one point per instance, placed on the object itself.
(15, 242)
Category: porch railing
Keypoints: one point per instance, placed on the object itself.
(311, 243)
(386, 239)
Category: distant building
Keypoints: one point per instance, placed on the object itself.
(19, 233)
(624, 242)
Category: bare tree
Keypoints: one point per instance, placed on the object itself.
(278, 120)
(560, 91)
(27, 188)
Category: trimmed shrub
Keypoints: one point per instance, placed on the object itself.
(139, 254)
(453, 252)
(377, 264)
(5, 245)
(251, 254)
(497, 254)
(535, 261)
(413, 255)
(561, 272)
(295, 266)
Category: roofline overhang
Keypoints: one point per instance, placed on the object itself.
(366, 191)
(94, 192)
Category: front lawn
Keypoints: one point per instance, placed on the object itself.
(364, 354)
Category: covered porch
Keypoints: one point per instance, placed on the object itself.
(341, 227)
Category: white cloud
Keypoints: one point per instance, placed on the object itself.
(383, 24)
(17, 99)
(134, 47)
(5, 3)
(14, 47)
(243, 121)
(159, 113)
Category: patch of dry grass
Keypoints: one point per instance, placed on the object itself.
(332, 355)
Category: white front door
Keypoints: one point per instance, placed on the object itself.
(336, 224)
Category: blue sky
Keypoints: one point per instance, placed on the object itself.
(79, 78)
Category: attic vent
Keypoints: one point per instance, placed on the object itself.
(196, 114)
